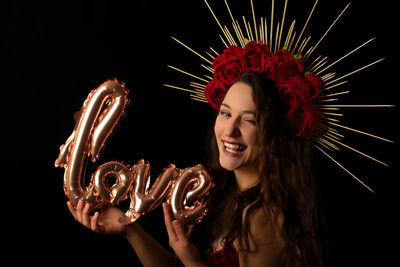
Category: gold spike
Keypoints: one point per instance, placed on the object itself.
(198, 99)
(247, 28)
(348, 54)
(291, 42)
(262, 30)
(325, 108)
(322, 140)
(355, 106)
(266, 31)
(272, 25)
(241, 33)
(276, 38)
(341, 166)
(282, 24)
(199, 84)
(190, 49)
(329, 119)
(324, 100)
(216, 19)
(357, 70)
(229, 36)
(327, 77)
(211, 56)
(323, 36)
(316, 140)
(251, 32)
(241, 41)
(332, 86)
(335, 94)
(330, 130)
(360, 132)
(187, 73)
(304, 44)
(317, 64)
(331, 113)
(229, 10)
(289, 35)
(305, 25)
(324, 132)
(254, 21)
(359, 152)
(312, 63)
(215, 52)
(208, 68)
(222, 39)
(320, 65)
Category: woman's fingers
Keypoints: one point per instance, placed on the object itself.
(79, 209)
(94, 222)
(81, 214)
(85, 215)
(168, 223)
(72, 209)
(180, 232)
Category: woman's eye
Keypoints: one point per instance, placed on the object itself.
(251, 121)
(225, 114)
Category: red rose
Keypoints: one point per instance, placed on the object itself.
(287, 66)
(303, 120)
(315, 84)
(253, 57)
(298, 85)
(215, 92)
(290, 98)
(227, 65)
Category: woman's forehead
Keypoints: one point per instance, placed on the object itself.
(240, 97)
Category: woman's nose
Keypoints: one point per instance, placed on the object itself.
(232, 129)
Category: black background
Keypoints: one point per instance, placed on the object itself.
(55, 52)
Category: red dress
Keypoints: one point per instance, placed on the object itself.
(225, 257)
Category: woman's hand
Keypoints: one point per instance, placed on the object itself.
(105, 222)
(184, 249)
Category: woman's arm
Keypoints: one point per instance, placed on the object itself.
(149, 251)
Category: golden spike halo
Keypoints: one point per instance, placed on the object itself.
(327, 137)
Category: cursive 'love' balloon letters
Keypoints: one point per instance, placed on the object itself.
(100, 114)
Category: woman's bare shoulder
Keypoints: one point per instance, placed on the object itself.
(265, 226)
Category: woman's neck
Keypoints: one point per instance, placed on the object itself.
(246, 177)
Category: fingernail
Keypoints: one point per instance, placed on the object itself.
(176, 224)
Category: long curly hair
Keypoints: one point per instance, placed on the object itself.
(286, 185)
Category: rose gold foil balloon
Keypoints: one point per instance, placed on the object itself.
(144, 200)
(100, 113)
(119, 190)
(192, 185)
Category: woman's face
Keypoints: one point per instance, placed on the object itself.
(235, 128)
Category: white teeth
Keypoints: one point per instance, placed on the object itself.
(231, 145)
(232, 148)
(231, 151)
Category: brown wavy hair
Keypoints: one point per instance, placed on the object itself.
(286, 185)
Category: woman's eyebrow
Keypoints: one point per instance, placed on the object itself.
(226, 105)
(249, 112)
(243, 112)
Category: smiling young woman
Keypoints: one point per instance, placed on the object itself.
(263, 210)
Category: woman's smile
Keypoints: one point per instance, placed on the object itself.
(233, 149)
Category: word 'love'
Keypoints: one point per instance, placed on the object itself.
(99, 116)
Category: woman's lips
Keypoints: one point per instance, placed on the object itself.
(232, 148)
